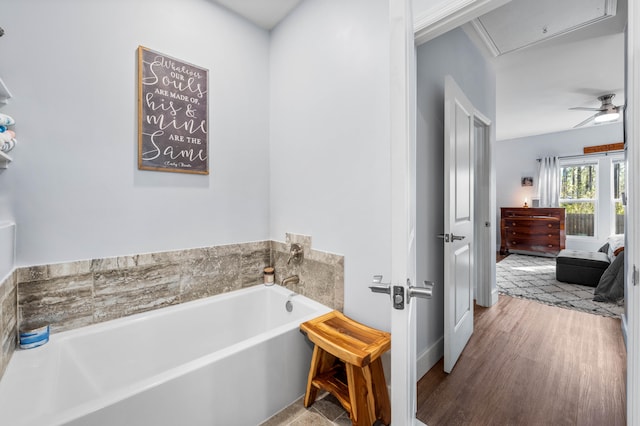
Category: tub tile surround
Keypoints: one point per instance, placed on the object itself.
(321, 273)
(8, 320)
(75, 294)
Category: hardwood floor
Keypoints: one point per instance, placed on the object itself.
(531, 364)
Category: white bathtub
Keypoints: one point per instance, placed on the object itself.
(233, 359)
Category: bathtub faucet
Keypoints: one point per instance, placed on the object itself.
(293, 279)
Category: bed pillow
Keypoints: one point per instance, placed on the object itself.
(611, 285)
(615, 243)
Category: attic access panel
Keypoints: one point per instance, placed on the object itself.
(522, 23)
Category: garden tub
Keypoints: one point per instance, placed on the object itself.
(233, 359)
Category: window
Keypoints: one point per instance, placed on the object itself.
(619, 176)
(579, 195)
(592, 192)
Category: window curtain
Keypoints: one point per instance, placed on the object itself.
(549, 182)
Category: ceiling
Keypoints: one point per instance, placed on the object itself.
(540, 75)
(264, 13)
(552, 55)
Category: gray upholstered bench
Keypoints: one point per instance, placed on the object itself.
(581, 267)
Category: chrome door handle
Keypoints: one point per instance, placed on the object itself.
(380, 287)
(425, 292)
(397, 297)
(453, 237)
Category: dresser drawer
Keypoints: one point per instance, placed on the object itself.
(532, 223)
(532, 232)
(552, 245)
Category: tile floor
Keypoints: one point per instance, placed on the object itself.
(326, 411)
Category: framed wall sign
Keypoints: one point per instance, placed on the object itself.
(172, 114)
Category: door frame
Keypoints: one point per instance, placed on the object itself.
(447, 15)
(403, 209)
(485, 213)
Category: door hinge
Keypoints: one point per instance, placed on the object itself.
(635, 276)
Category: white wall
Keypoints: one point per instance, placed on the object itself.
(330, 175)
(452, 53)
(516, 158)
(74, 189)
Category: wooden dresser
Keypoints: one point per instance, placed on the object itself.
(535, 230)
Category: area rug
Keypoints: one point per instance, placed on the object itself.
(534, 278)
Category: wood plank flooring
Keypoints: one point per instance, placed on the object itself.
(531, 364)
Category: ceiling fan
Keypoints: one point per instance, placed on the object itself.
(606, 113)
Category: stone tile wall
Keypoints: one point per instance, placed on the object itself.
(8, 320)
(75, 294)
(321, 274)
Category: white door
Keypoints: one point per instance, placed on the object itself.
(632, 120)
(403, 259)
(458, 222)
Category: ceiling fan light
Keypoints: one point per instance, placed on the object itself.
(604, 118)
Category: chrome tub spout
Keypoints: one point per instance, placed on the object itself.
(293, 279)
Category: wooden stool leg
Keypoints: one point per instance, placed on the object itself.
(321, 361)
(358, 396)
(312, 391)
(371, 400)
(383, 406)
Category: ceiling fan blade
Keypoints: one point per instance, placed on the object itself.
(587, 121)
(586, 109)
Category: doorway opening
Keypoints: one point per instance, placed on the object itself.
(497, 183)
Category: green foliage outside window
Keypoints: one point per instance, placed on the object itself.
(579, 208)
(578, 195)
(578, 182)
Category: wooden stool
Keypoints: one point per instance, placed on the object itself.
(344, 347)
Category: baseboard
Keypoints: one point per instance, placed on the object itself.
(494, 296)
(429, 357)
(623, 325)
(490, 299)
